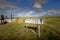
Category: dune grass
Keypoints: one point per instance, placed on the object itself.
(17, 31)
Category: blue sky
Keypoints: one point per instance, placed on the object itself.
(51, 4)
(25, 7)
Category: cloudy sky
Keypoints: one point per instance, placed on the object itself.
(23, 8)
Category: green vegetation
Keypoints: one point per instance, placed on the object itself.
(50, 30)
(53, 21)
(15, 31)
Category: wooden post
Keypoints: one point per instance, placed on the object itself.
(26, 28)
(38, 30)
(11, 16)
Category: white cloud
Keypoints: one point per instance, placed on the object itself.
(41, 1)
(42, 13)
(6, 5)
(37, 5)
(26, 13)
(30, 12)
(53, 12)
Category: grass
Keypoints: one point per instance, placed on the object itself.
(17, 31)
